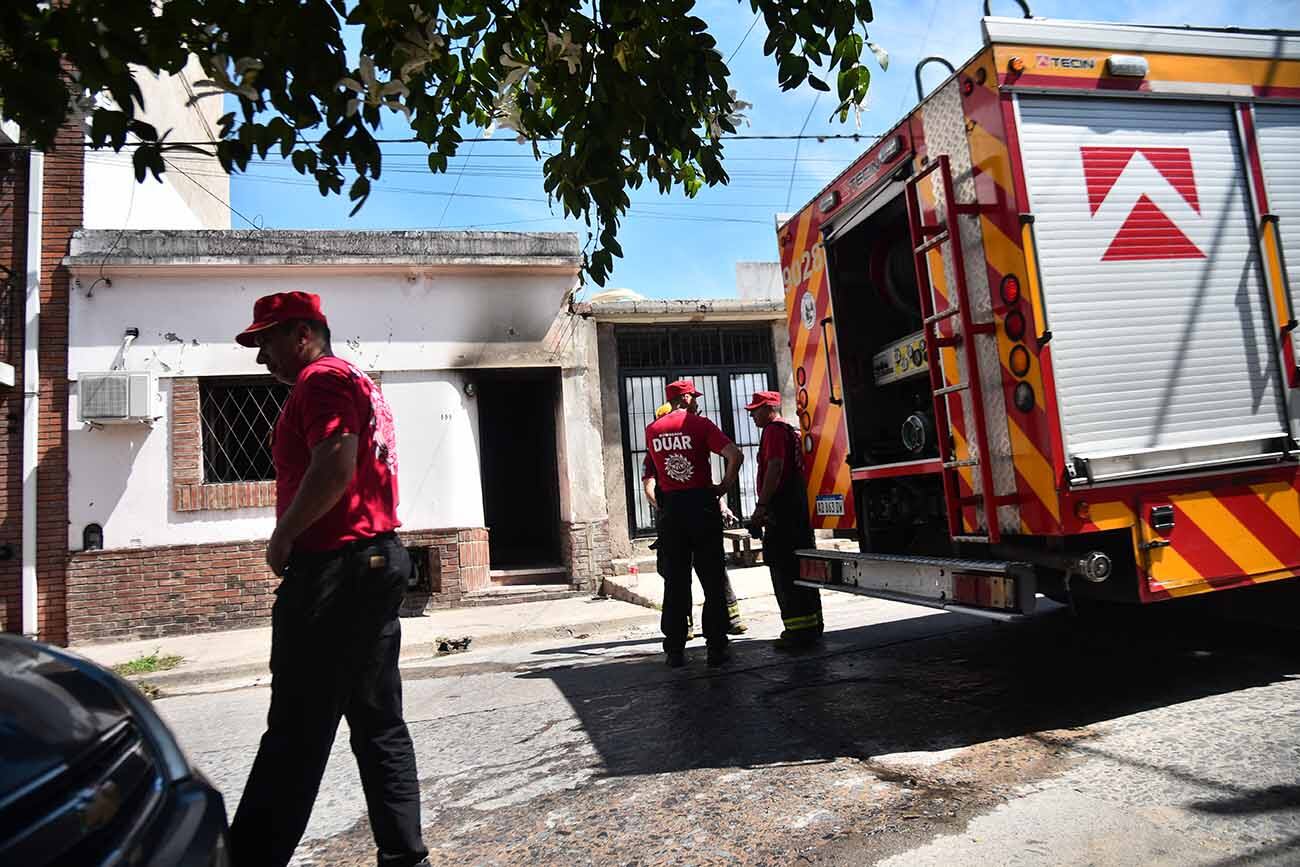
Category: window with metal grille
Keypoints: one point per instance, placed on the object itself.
(643, 347)
(694, 346)
(236, 419)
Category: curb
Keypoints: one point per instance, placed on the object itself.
(617, 591)
(248, 673)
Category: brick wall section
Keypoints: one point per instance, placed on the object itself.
(474, 569)
(189, 494)
(61, 216)
(174, 590)
(13, 256)
(150, 592)
(586, 553)
(445, 589)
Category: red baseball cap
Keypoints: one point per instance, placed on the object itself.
(679, 388)
(271, 310)
(764, 398)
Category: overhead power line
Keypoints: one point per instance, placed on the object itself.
(794, 165)
(743, 38)
(818, 137)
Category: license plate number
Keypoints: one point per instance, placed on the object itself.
(830, 504)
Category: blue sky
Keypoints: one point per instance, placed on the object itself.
(682, 248)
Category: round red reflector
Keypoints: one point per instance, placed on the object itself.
(968, 87)
(1010, 289)
(1015, 325)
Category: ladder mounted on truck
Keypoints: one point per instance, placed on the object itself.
(927, 237)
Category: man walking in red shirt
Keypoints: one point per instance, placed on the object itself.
(679, 444)
(783, 512)
(335, 633)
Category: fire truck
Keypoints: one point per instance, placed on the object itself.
(1043, 331)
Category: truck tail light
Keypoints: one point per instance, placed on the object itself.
(1023, 397)
(1018, 360)
(815, 570)
(1010, 289)
(1015, 325)
(984, 591)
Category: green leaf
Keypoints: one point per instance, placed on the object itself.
(847, 50)
(791, 71)
(651, 77)
(846, 82)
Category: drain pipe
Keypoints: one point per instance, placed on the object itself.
(31, 383)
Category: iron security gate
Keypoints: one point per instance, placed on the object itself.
(727, 364)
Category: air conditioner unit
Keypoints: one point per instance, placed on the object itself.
(115, 396)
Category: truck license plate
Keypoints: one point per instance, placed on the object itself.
(830, 504)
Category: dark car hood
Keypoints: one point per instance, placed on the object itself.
(53, 706)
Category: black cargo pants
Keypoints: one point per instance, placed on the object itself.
(334, 645)
(734, 620)
(788, 529)
(691, 533)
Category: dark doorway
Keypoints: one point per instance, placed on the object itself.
(518, 465)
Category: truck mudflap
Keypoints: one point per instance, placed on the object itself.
(987, 588)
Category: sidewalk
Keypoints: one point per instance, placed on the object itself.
(214, 661)
(753, 586)
(227, 660)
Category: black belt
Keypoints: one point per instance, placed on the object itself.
(688, 492)
(348, 548)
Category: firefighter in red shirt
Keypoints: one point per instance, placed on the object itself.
(735, 623)
(679, 444)
(782, 511)
(335, 635)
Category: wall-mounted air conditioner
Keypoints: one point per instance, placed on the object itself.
(115, 397)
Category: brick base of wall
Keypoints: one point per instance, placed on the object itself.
(585, 550)
(174, 590)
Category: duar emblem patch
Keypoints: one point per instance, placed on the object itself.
(808, 310)
(679, 468)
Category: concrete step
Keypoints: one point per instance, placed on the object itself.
(515, 593)
(529, 575)
(633, 565)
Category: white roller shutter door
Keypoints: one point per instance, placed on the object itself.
(1278, 130)
(1162, 345)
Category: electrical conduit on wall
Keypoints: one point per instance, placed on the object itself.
(31, 384)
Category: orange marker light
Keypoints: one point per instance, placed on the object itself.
(1082, 511)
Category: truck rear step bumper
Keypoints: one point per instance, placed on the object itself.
(996, 589)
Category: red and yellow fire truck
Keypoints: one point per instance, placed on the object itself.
(1044, 333)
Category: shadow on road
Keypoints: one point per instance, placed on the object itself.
(925, 683)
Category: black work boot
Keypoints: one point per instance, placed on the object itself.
(796, 642)
(675, 658)
(718, 655)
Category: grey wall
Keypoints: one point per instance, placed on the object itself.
(612, 426)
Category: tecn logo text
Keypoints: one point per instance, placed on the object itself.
(1048, 61)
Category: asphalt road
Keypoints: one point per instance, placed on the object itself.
(1164, 736)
